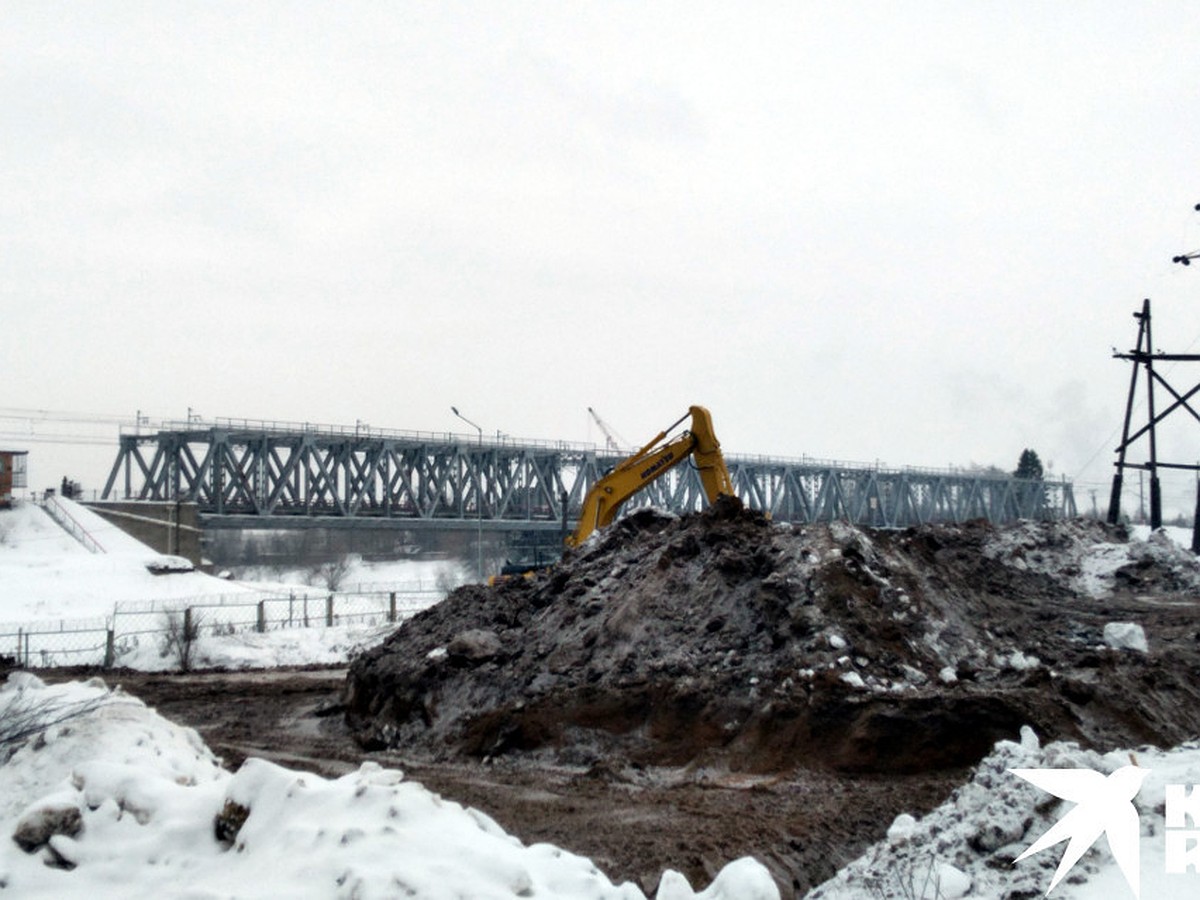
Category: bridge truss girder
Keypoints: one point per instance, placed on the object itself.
(277, 477)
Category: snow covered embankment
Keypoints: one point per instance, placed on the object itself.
(104, 798)
(967, 847)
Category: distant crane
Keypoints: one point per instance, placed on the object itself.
(610, 441)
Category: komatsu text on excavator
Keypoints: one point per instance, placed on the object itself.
(654, 460)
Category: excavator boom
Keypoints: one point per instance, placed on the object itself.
(654, 460)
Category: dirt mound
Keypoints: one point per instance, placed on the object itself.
(722, 639)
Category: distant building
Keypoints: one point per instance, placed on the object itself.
(12, 474)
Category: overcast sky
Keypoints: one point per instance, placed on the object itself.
(910, 232)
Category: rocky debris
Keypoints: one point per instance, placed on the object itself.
(474, 646)
(724, 639)
(53, 816)
(229, 821)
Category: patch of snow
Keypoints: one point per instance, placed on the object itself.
(1021, 662)
(1126, 636)
(1097, 565)
(1029, 739)
(901, 829)
(252, 650)
(950, 883)
(854, 680)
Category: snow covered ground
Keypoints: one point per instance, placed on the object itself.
(47, 576)
(115, 801)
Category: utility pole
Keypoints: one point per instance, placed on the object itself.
(478, 495)
(1196, 516)
(1142, 497)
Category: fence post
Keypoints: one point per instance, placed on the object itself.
(261, 625)
(20, 635)
(392, 606)
(27, 649)
(329, 611)
(109, 649)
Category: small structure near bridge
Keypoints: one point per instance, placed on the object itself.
(13, 474)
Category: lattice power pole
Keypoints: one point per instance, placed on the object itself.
(1144, 357)
(1141, 355)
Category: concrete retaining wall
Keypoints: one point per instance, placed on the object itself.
(171, 528)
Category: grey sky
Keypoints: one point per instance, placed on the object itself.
(901, 231)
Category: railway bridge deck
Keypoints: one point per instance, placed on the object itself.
(262, 474)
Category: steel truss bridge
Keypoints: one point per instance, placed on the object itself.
(245, 474)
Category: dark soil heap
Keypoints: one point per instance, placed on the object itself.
(721, 639)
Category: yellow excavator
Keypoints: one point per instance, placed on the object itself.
(654, 460)
(602, 503)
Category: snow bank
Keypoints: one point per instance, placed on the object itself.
(46, 575)
(968, 846)
(114, 539)
(1093, 568)
(49, 581)
(333, 646)
(114, 801)
(45, 731)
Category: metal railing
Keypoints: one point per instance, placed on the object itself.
(59, 513)
(358, 431)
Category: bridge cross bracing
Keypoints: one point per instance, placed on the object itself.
(262, 474)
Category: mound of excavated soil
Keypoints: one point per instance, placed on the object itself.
(722, 639)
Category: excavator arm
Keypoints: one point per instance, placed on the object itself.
(654, 460)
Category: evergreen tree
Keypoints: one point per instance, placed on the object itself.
(1029, 466)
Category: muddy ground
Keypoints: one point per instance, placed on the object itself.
(683, 692)
(633, 824)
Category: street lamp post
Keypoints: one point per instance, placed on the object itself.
(478, 496)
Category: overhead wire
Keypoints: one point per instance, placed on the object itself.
(13, 417)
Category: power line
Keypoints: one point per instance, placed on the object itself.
(80, 439)
(52, 415)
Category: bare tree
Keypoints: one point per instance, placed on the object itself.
(331, 575)
(27, 714)
(181, 631)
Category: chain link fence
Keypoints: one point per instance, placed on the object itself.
(103, 641)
